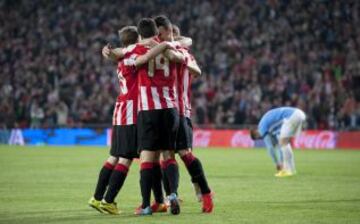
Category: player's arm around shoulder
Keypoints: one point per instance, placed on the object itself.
(194, 68)
(113, 54)
(184, 41)
(152, 53)
(175, 55)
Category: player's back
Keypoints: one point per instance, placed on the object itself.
(184, 84)
(157, 82)
(125, 111)
(272, 120)
(127, 75)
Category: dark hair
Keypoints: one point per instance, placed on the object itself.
(254, 134)
(147, 28)
(128, 35)
(163, 21)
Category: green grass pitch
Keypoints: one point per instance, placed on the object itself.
(53, 184)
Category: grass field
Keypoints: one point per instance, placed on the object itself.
(53, 185)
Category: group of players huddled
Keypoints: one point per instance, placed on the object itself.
(151, 119)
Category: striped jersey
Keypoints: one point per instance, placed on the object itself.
(184, 85)
(125, 111)
(157, 82)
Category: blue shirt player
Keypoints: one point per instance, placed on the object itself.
(276, 128)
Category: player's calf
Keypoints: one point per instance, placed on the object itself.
(117, 179)
(147, 159)
(104, 177)
(196, 171)
(157, 185)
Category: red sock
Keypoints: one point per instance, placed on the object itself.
(188, 158)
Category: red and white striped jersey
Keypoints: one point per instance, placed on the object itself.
(184, 85)
(125, 111)
(157, 83)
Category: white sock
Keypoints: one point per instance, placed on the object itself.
(288, 156)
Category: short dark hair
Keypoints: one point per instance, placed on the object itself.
(147, 28)
(163, 21)
(128, 35)
(254, 134)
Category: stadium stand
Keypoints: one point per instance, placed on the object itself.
(254, 55)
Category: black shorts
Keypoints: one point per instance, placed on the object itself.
(124, 141)
(157, 129)
(184, 138)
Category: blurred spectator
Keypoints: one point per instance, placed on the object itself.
(255, 55)
(62, 111)
(37, 115)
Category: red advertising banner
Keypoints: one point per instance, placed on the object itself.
(348, 140)
(311, 139)
(222, 138)
(315, 140)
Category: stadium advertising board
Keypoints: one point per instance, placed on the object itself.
(348, 140)
(81, 136)
(316, 140)
(311, 139)
(222, 138)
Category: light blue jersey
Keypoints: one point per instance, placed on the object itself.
(271, 122)
(269, 128)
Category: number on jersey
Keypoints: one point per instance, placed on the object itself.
(122, 83)
(159, 63)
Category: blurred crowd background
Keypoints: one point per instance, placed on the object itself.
(255, 55)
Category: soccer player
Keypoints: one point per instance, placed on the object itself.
(185, 134)
(169, 166)
(186, 71)
(124, 133)
(277, 127)
(158, 119)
